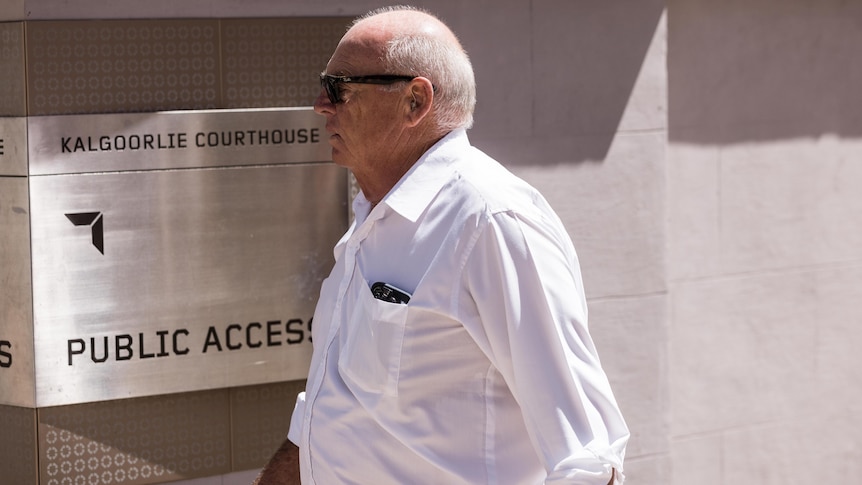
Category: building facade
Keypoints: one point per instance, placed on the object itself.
(704, 156)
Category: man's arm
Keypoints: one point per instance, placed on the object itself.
(523, 278)
(283, 467)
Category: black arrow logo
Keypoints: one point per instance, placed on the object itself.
(94, 220)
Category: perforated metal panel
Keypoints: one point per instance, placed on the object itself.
(12, 95)
(260, 420)
(108, 66)
(122, 66)
(276, 62)
(136, 441)
(18, 445)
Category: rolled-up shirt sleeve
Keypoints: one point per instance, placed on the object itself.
(296, 419)
(523, 277)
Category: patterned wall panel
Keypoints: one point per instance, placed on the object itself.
(276, 62)
(122, 66)
(260, 418)
(12, 93)
(18, 445)
(136, 441)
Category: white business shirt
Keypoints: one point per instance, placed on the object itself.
(488, 375)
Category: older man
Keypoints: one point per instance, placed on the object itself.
(450, 339)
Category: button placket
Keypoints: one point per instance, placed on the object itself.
(353, 244)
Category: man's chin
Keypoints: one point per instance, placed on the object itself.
(336, 153)
(339, 159)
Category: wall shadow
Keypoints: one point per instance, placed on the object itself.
(743, 71)
(584, 61)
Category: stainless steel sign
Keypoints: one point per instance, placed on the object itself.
(16, 325)
(169, 269)
(176, 139)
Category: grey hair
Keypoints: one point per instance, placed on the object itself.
(443, 63)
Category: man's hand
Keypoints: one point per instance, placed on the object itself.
(283, 467)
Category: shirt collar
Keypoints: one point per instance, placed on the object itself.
(412, 194)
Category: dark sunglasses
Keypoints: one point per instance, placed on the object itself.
(332, 84)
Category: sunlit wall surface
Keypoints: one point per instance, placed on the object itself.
(764, 241)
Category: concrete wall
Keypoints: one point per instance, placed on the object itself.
(764, 242)
(705, 157)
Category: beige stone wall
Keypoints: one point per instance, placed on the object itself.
(764, 246)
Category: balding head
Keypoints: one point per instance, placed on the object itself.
(395, 22)
(412, 42)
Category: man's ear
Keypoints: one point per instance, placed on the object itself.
(419, 100)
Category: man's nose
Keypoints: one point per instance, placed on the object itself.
(322, 105)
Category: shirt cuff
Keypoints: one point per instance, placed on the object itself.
(619, 478)
(295, 431)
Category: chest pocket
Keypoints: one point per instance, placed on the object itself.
(371, 341)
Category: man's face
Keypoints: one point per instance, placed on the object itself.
(365, 122)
